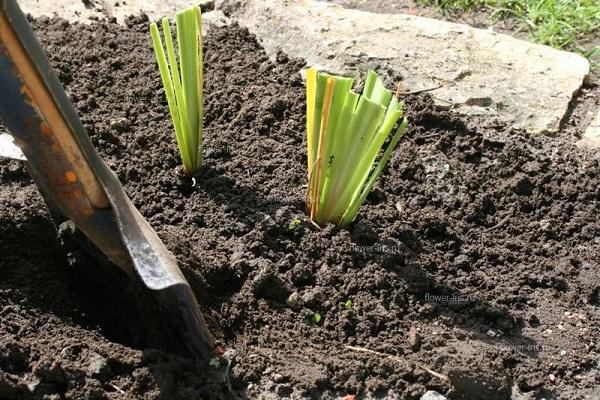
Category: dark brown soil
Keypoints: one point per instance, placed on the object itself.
(476, 256)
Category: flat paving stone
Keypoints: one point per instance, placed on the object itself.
(82, 10)
(88, 10)
(591, 136)
(483, 73)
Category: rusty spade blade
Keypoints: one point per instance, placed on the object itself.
(75, 181)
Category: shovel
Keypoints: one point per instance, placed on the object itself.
(78, 186)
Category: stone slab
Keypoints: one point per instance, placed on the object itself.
(591, 136)
(8, 149)
(85, 11)
(484, 73)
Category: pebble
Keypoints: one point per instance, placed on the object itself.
(97, 365)
(433, 395)
(120, 124)
(32, 384)
(414, 339)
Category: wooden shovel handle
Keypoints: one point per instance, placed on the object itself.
(53, 123)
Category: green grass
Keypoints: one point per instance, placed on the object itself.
(563, 24)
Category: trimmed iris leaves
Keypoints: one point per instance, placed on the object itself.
(183, 83)
(350, 140)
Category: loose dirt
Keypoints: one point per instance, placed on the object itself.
(475, 257)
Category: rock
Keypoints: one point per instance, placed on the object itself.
(9, 149)
(433, 395)
(293, 301)
(76, 11)
(591, 137)
(414, 339)
(120, 124)
(484, 73)
(98, 366)
(214, 18)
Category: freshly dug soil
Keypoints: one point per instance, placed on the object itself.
(476, 255)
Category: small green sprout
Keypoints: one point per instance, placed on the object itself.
(346, 133)
(184, 91)
(315, 319)
(294, 224)
(348, 304)
(215, 362)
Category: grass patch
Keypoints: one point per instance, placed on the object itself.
(563, 24)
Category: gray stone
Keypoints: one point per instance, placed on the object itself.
(77, 11)
(591, 137)
(293, 301)
(483, 73)
(433, 395)
(97, 365)
(9, 149)
(414, 339)
(120, 124)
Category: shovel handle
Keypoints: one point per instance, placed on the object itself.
(52, 127)
(75, 181)
(32, 107)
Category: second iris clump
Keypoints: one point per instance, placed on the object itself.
(345, 135)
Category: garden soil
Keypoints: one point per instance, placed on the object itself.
(471, 270)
